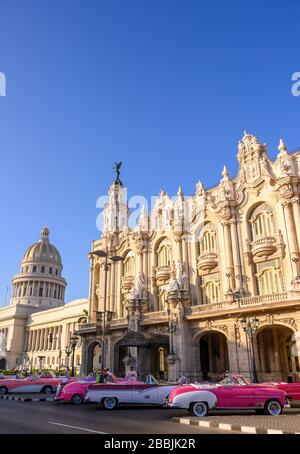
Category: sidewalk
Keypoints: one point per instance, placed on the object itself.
(251, 423)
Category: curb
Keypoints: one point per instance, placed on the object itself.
(27, 399)
(229, 427)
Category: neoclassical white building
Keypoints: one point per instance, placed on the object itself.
(182, 294)
(37, 309)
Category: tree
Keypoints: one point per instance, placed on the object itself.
(84, 317)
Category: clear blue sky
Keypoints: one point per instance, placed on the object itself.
(167, 86)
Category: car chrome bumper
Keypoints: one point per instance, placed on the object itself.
(171, 405)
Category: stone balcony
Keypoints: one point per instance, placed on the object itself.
(237, 305)
(207, 261)
(163, 274)
(263, 247)
(86, 328)
(127, 283)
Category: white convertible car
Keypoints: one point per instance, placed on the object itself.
(112, 394)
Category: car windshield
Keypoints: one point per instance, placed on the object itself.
(233, 381)
(47, 375)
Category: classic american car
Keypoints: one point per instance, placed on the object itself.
(112, 394)
(292, 389)
(46, 382)
(75, 391)
(199, 399)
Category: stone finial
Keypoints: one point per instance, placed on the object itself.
(282, 148)
(180, 192)
(225, 173)
(199, 187)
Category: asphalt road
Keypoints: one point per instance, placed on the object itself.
(64, 418)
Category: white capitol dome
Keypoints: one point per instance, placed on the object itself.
(43, 250)
(39, 282)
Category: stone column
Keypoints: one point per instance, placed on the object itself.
(113, 287)
(178, 246)
(145, 269)
(91, 292)
(238, 271)
(291, 236)
(228, 253)
(29, 340)
(185, 258)
(296, 212)
(33, 340)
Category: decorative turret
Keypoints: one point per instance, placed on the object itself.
(116, 208)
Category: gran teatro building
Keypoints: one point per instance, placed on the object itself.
(220, 292)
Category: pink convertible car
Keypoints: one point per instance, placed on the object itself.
(292, 389)
(199, 399)
(46, 382)
(76, 391)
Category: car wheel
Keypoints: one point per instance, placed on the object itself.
(77, 399)
(3, 390)
(273, 408)
(47, 390)
(110, 403)
(199, 409)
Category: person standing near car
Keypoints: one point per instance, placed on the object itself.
(131, 374)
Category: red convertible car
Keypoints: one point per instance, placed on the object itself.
(46, 382)
(199, 399)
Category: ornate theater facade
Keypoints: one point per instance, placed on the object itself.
(221, 292)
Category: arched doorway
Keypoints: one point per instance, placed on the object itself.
(151, 358)
(2, 363)
(93, 356)
(120, 353)
(277, 355)
(213, 355)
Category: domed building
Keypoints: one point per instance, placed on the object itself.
(37, 309)
(39, 282)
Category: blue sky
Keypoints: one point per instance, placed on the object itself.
(167, 86)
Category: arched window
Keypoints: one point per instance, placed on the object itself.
(212, 292)
(128, 269)
(42, 269)
(262, 222)
(208, 242)
(163, 254)
(269, 281)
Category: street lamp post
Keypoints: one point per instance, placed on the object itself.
(105, 313)
(68, 352)
(51, 339)
(250, 326)
(73, 341)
